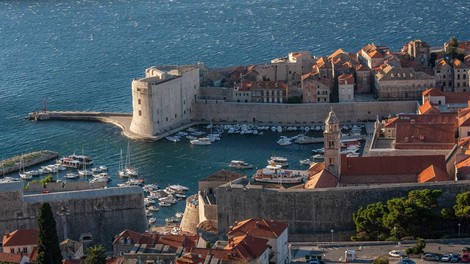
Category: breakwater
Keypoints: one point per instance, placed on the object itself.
(26, 160)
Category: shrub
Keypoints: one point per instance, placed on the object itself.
(381, 260)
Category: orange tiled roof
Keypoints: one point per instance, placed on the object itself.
(10, 258)
(136, 238)
(21, 237)
(346, 79)
(433, 92)
(323, 179)
(457, 97)
(248, 247)
(34, 254)
(433, 174)
(430, 118)
(421, 135)
(316, 168)
(336, 53)
(258, 228)
(464, 120)
(463, 168)
(384, 169)
(190, 258)
(428, 108)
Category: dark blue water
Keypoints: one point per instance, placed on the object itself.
(82, 55)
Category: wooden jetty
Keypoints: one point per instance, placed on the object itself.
(29, 159)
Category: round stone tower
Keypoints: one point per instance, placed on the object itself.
(191, 215)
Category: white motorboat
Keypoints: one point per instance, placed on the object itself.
(279, 161)
(153, 208)
(85, 172)
(69, 162)
(179, 195)
(201, 141)
(71, 175)
(152, 220)
(178, 187)
(164, 204)
(103, 168)
(171, 220)
(148, 213)
(168, 199)
(83, 159)
(191, 137)
(284, 142)
(173, 138)
(240, 164)
(25, 176)
(179, 214)
(305, 162)
(275, 174)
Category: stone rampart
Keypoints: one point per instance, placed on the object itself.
(64, 186)
(220, 111)
(312, 214)
(190, 217)
(101, 212)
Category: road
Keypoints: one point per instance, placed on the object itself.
(334, 253)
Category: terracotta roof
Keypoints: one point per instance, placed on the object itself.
(464, 120)
(136, 238)
(463, 168)
(457, 97)
(323, 179)
(375, 54)
(34, 254)
(224, 255)
(391, 122)
(428, 108)
(346, 79)
(430, 118)
(420, 136)
(433, 174)
(248, 247)
(336, 53)
(190, 258)
(10, 258)
(258, 228)
(176, 241)
(316, 168)
(21, 237)
(387, 169)
(433, 92)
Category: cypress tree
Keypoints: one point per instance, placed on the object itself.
(48, 242)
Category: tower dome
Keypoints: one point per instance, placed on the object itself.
(331, 122)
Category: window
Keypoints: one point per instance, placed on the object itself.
(12, 250)
(140, 112)
(139, 101)
(25, 250)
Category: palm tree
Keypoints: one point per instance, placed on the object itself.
(96, 255)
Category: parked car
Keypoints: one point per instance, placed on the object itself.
(406, 261)
(446, 257)
(430, 256)
(395, 253)
(455, 258)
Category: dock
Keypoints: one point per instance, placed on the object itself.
(29, 159)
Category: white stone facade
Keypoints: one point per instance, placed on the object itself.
(163, 99)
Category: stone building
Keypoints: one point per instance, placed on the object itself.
(363, 79)
(418, 50)
(372, 55)
(444, 75)
(86, 215)
(401, 83)
(163, 99)
(315, 89)
(461, 72)
(346, 85)
(261, 92)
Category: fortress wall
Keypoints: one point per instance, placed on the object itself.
(190, 218)
(213, 93)
(65, 186)
(220, 111)
(311, 214)
(103, 213)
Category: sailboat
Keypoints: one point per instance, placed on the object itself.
(23, 174)
(85, 172)
(130, 171)
(122, 170)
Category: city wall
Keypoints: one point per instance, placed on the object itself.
(221, 111)
(103, 213)
(312, 214)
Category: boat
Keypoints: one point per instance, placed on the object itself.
(279, 161)
(178, 187)
(179, 214)
(103, 168)
(179, 195)
(24, 175)
(9, 179)
(82, 159)
(168, 199)
(275, 174)
(305, 162)
(153, 208)
(175, 230)
(71, 175)
(100, 179)
(148, 213)
(130, 171)
(171, 220)
(240, 164)
(152, 220)
(69, 162)
(284, 142)
(201, 141)
(164, 204)
(121, 169)
(173, 138)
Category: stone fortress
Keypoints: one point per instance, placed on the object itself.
(91, 215)
(170, 97)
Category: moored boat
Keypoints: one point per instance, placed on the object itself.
(201, 141)
(275, 174)
(279, 161)
(240, 164)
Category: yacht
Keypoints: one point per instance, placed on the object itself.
(279, 161)
(164, 204)
(69, 162)
(71, 175)
(152, 220)
(305, 162)
(153, 208)
(201, 141)
(178, 187)
(240, 164)
(275, 174)
(83, 159)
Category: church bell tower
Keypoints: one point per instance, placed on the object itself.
(332, 142)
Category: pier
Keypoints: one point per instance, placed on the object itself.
(26, 160)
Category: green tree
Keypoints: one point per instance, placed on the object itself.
(48, 243)
(462, 205)
(381, 260)
(417, 248)
(96, 255)
(369, 225)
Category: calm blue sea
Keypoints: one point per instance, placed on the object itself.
(82, 55)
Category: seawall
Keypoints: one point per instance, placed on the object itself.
(312, 214)
(26, 160)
